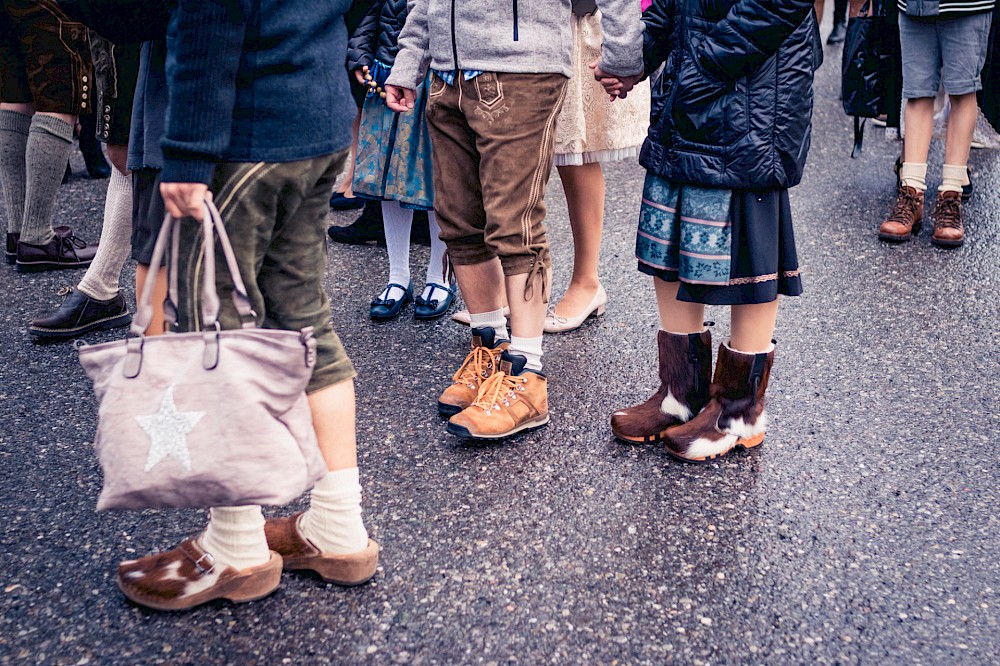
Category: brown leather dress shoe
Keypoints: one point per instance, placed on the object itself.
(64, 251)
(299, 554)
(905, 218)
(10, 251)
(949, 228)
(188, 576)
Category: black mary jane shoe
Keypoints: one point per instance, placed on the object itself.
(384, 309)
(433, 307)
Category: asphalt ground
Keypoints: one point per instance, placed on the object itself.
(864, 531)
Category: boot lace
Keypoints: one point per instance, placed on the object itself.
(477, 366)
(500, 387)
(907, 203)
(948, 213)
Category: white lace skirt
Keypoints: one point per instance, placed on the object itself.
(591, 128)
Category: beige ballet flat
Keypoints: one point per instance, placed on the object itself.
(556, 324)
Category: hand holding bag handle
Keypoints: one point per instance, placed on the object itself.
(211, 226)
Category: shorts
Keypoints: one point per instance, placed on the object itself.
(275, 215)
(943, 51)
(44, 58)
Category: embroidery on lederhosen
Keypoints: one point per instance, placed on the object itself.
(686, 230)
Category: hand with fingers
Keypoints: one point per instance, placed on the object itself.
(399, 99)
(185, 199)
(615, 86)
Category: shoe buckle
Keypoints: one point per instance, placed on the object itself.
(201, 567)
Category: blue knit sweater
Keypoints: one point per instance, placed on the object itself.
(254, 81)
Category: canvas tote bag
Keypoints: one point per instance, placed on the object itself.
(208, 418)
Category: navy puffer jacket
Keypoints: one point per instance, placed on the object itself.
(375, 38)
(733, 106)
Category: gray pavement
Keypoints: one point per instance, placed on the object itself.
(864, 531)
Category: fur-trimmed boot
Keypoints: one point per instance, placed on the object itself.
(735, 415)
(685, 373)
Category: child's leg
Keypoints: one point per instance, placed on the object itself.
(919, 119)
(584, 188)
(961, 124)
(753, 327)
(677, 316)
(397, 221)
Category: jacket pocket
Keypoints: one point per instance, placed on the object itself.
(700, 108)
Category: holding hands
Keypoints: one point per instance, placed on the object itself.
(615, 86)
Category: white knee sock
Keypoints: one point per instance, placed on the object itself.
(397, 222)
(101, 279)
(530, 348)
(494, 319)
(914, 174)
(953, 177)
(436, 269)
(333, 522)
(235, 536)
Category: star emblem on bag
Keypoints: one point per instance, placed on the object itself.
(167, 430)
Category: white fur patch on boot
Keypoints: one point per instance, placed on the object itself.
(672, 407)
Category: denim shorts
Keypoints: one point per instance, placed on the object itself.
(940, 51)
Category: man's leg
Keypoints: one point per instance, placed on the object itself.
(15, 122)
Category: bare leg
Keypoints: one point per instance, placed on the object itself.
(27, 109)
(345, 187)
(333, 415)
(584, 188)
(159, 295)
(919, 119)
(961, 125)
(753, 327)
(677, 316)
(855, 7)
(819, 6)
(527, 317)
(481, 285)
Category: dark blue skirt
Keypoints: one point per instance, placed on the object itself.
(742, 256)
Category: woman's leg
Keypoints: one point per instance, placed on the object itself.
(584, 188)
(677, 316)
(345, 186)
(753, 327)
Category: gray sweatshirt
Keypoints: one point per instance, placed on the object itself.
(516, 36)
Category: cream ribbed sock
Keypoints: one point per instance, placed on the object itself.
(953, 177)
(333, 522)
(494, 319)
(530, 348)
(101, 279)
(914, 174)
(235, 536)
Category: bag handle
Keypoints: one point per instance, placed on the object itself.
(859, 136)
(211, 226)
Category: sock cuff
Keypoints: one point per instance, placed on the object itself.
(237, 516)
(533, 345)
(49, 125)
(342, 481)
(954, 171)
(494, 319)
(15, 121)
(914, 174)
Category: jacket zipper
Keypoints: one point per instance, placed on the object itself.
(515, 21)
(454, 38)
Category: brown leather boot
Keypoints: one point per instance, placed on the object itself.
(905, 218)
(685, 373)
(949, 229)
(735, 414)
(512, 400)
(476, 368)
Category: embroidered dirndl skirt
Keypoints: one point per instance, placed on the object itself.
(725, 247)
(393, 161)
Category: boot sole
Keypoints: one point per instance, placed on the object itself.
(464, 433)
(947, 243)
(447, 411)
(67, 333)
(894, 238)
(745, 444)
(658, 438)
(260, 583)
(38, 267)
(337, 570)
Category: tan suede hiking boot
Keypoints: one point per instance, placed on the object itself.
(949, 230)
(512, 400)
(905, 218)
(475, 369)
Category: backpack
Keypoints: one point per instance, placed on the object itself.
(870, 53)
(121, 21)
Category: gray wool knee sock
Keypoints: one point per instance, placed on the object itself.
(101, 279)
(50, 141)
(13, 144)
